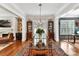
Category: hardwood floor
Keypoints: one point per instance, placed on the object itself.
(70, 49)
(12, 49)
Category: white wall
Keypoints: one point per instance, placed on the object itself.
(56, 28)
(6, 15)
(44, 20)
(12, 29)
(14, 26)
(23, 29)
(35, 20)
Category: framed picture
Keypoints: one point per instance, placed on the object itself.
(5, 23)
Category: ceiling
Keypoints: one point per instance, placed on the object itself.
(24, 9)
(34, 9)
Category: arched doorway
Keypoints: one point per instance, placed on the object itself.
(36, 37)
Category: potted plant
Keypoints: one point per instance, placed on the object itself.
(39, 31)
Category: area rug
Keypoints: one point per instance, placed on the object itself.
(4, 45)
(56, 51)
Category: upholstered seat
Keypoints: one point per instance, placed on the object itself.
(9, 38)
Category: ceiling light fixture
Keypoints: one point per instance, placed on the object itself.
(40, 10)
(40, 22)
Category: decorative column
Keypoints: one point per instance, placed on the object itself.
(19, 24)
(19, 28)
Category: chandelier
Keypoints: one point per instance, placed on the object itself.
(40, 11)
(40, 22)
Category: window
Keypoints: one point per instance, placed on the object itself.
(36, 38)
(67, 27)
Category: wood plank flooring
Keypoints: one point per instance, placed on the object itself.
(11, 50)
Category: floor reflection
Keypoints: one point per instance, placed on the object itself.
(69, 48)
